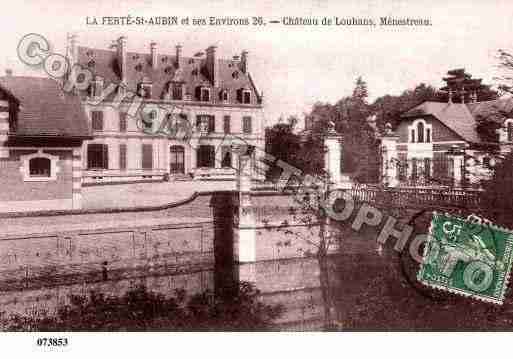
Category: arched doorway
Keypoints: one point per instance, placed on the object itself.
(176, 160)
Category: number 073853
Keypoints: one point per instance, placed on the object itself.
(52, 342)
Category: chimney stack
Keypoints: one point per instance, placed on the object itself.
(450, 95)
(212, 66)
(153, 52)
(122, 58)
(72, 50)
(244, 66)
(474, 97)
(178, 55)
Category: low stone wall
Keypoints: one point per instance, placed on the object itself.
(45, 257)
(74, 253)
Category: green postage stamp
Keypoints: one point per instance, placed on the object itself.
(470, 257)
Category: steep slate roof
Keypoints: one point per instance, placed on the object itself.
(106, 65)
(488, 108)
(44, 109)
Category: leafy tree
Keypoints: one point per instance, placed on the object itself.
(360, 92)
(284, 144)
(388, 108)
(506, 64)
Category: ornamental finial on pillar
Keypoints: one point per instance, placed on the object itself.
(388, 129)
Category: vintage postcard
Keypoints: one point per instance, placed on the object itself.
(228, 166)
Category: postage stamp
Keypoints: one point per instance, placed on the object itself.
(471, 257)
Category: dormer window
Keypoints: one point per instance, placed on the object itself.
(244, 96)
(203, 93)
(177, 91)
(224, 95)
(145, 90)
(96, 87)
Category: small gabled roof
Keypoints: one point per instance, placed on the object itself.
(44, 109)
(455, 116)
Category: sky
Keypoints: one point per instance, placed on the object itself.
(294, 66)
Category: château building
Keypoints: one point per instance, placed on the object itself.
(213, 100)
(140, 117)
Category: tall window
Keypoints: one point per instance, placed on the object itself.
(177, 91)
(97, 156)
(40, 167)
(226, 156)
(122, 156)
(427, 168)
(97, 120)
(176, 161)
(122, 121)
(510, 131)
(226, 124)
(414, 169)
(147, 156)
(420, 132)
(206, 156)
(246, 124)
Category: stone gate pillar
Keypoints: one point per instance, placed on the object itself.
(333, 160)
(4, 128)
(458, 161)
(389, 157)
(244, 231)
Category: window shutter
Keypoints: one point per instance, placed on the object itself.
(97, 120)
(122, 156)
(226, 124)
(246, 125)
(211, 124)
(147, 156)
(122, 122)
(427, 167)
(105, 157)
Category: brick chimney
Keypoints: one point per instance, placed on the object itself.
(244, 66)
(153, 52)
(72, 48)
(212, 66)
(122, 57)
(178, 55)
